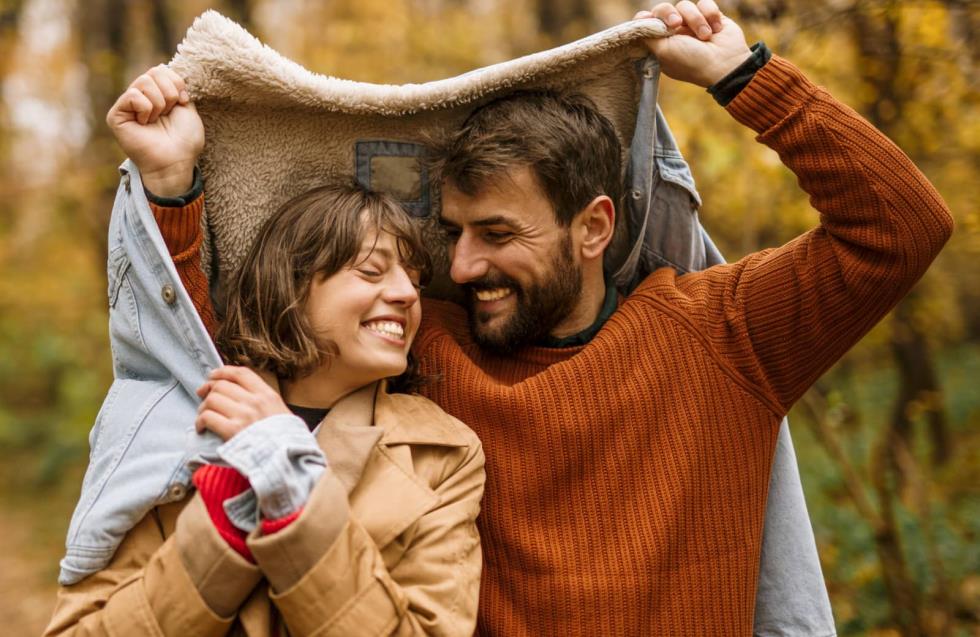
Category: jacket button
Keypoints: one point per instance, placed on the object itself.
(177, 491)
(169, 294)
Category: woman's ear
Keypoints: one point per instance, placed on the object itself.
(594, 225)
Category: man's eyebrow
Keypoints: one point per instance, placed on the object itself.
(496, 220)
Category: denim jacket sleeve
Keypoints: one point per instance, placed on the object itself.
(144, 431)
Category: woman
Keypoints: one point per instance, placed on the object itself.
(366, 526)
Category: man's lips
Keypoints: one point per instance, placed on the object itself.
(493, 294)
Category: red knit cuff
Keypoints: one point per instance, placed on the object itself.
(216, 485)
(272, 526)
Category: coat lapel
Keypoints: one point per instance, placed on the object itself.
(384, 493)
(367, 438)
(347, 436)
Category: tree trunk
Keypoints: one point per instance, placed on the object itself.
(102, 25)
(557, 17)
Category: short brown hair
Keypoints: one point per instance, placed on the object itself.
(570, 147)
(316, 233)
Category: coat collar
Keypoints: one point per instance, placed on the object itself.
(404, 419)
(366, 437)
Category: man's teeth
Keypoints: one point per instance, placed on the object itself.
(388, 328)
(492, 295)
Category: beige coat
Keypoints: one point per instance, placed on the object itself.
(387, 544)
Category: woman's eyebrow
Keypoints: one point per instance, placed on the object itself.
(384, 253)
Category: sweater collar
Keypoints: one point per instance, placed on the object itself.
(609, 305)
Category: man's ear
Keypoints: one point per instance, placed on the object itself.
(594, 225)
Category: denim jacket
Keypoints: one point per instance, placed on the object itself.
(144, 437)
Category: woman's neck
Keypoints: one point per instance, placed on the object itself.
(321, 389)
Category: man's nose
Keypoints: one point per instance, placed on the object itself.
(466, 261)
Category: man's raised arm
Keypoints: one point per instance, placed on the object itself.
(782, 317)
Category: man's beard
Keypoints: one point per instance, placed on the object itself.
(540, 307)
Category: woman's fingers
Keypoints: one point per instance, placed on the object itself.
(226, 406)
(204, 390)
(209, 420)
(243, 376)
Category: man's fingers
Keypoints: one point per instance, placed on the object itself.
(165, 82)
(711, 13)
(149, 88)
(128, 107)
(694, 19)
(138, 104)
(668, 14)
(178, 83)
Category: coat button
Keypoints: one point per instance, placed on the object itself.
(177, 492)
(169, 294)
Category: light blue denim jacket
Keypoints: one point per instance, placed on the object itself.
(143, 440)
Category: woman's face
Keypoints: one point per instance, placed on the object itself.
(370, 310)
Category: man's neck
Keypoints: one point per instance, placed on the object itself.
(588, 310)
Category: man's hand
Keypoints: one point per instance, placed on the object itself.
(233, 399)
(705, 47)
(158, 128)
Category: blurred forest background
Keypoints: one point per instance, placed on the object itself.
(887, 441)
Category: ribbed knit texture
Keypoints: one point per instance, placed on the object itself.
(216, 485)
(626, 479)
(269, 527)
(181, 230)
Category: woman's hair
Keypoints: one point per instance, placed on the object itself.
(318, 232)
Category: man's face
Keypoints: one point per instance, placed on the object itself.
(514, 261)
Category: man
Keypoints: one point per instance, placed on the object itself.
(629, 441)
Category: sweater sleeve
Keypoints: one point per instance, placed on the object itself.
(782, 317)
(180, 227)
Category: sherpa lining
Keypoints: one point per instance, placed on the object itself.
(275, 129)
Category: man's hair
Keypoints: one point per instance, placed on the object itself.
(316, 233)
(572, 149)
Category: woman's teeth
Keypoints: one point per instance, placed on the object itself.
(492, 295)
(388, 328)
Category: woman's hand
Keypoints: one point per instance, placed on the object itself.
(705, 45)
(234, 398)
(158, 128)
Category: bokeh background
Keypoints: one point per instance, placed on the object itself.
(887, 441)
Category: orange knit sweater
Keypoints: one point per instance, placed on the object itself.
(626, 479)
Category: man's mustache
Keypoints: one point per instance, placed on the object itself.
(490, 282)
